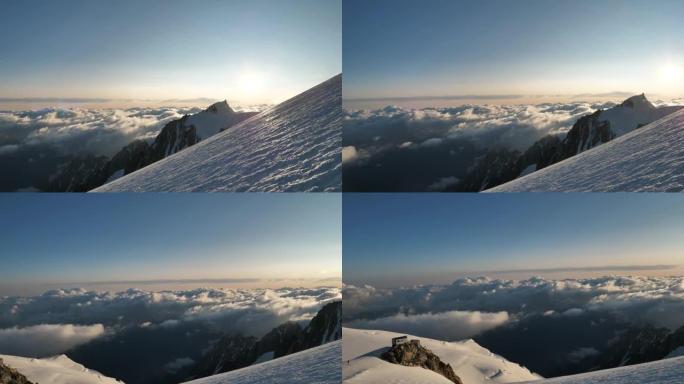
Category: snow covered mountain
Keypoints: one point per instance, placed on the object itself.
(295, 146)
(472, 363)
(649, 159)
(55, 370)
(320, 365)
(502, 165)
(666, 371)
(87, 172)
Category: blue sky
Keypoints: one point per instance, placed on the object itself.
(527, 47)
(422, 238)
(252, 51)
(63, 238)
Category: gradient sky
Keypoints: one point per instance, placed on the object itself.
(71, 239)
(249, 51)
(497, 47)
(396, 239)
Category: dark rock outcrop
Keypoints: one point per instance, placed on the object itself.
(234, 352)
(11, 376)
(325, 327)
(412, 354)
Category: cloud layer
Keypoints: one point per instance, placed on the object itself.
(654, 300)
(450, 325)
(46, 339)
(81, 131)
(62, 319)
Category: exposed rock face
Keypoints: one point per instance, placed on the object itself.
(496, 167)
(234, 352)
(229, 353)
(641, 345)
(502, 165)
(412, 354)
(325, 327)
(80, 174)
(11, 376)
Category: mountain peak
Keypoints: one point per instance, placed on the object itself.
(638, 102)
(220, 108)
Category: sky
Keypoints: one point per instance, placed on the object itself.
(513, 52)
(248, 51)
(404, 239)
(163, 240)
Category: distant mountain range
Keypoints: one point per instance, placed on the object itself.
(84, 173)
(501, 165)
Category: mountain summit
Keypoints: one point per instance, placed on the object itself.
(220, 108)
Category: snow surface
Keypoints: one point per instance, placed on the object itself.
(266, 356)
(649, 159)
(294, 146)
(667, 371)
(55, 370)
(471, 362)
(320, 365)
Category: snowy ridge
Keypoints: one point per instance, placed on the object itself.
(320, 365)
(295, 146)
(649, 159)
(666, 371)
(472, 363)
(56, 370)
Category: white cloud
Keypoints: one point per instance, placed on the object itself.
(9, 148)
(443, 183)
(349, 154)
(656, 300)
(249, 311)
(580, 353)
(79, 131)
(451, 325)
(178, 364)
(46, 339)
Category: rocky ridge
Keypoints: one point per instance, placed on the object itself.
(412, 354)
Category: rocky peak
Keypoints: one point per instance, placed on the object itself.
(638, 102)
(412, 354)
(11, 376)
(220, 108)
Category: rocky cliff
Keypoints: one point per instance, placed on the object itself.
(412, 354)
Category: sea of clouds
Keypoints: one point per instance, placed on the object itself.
(469, 307)
(83, 131)
(59, 320)
(369, 132)
(87, 131)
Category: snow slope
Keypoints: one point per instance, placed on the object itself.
(649, 159)
(320, 365)
(294, 146)
(666, 371)
(55, 370)
(472, 363)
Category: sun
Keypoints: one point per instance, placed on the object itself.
(251, 83)
(670, 72)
